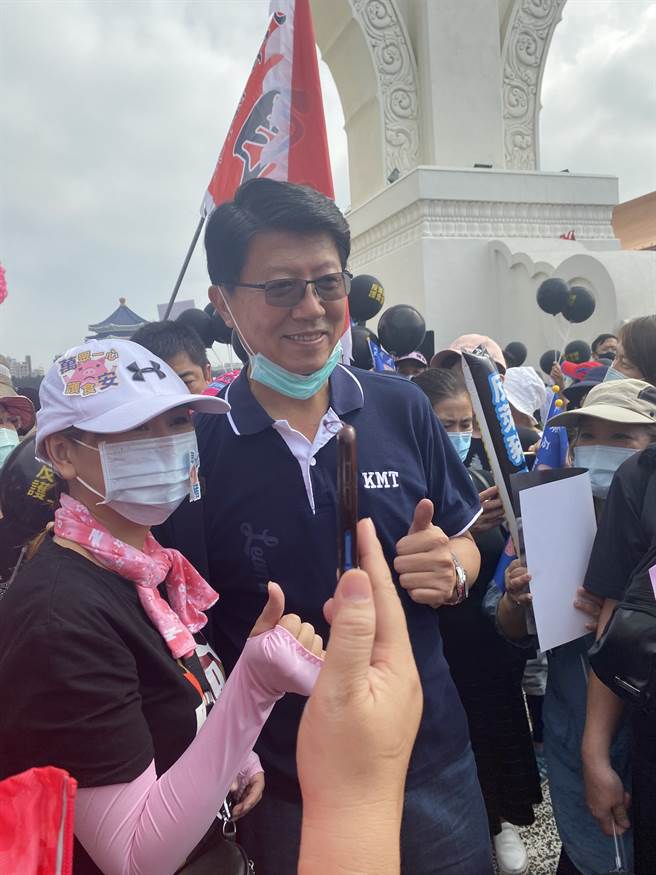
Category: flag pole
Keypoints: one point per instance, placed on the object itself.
(185, 265)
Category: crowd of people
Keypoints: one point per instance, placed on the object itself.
(175, 639)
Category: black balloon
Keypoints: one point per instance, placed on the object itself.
(580, 305)
(366, 297)
(29, 491)
(200, 322)
(361, 350)
(238, 347)
(515, 354)
(222, 332)
(577, 351)
(547, 360)
(401, 329)
(552, 295)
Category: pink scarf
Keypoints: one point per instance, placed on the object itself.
(188, 593)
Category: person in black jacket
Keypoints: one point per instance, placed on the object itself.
(625, 540)
(487, 669)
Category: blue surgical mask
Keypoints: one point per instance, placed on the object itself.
(602, 463)
(301, 386)
(461, 441)
(147, 479)
(8, 440)
(612, 374)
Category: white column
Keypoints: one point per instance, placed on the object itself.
(458, 53)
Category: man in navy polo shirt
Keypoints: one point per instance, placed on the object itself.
(276, 257)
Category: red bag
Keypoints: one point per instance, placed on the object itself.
(36, 824)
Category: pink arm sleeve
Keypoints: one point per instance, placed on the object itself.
(251, 767)
(151, 824)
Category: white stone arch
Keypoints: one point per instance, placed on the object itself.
(366, 46)
(528, 32)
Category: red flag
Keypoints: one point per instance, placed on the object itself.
(569, 235)
(279, 128)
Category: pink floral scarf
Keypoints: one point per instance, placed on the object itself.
(188, 593)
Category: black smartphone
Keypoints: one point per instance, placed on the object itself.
(347, 500)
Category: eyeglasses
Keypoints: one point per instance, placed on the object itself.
(290, 292)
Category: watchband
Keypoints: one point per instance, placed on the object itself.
(461, 590)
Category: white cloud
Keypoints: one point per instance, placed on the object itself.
(599, 93)
(113, 115)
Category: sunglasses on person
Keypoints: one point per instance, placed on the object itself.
(289, 292)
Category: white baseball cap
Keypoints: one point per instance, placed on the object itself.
(109, 386)
(525, 390)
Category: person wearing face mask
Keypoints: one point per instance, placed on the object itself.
(277, 259)
(103, 659)
(183, 350)
(486, 668)
(16, 415)
(604, 348)
(621, 568)
(635, 356)
(617, 420)
(450, 358)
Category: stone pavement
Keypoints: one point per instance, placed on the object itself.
(541, 839)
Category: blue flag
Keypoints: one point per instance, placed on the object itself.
(382, 360)
(552, 452)
(505, 559)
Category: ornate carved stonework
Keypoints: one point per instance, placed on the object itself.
(480, 219)
(525, 49)
(397, 76)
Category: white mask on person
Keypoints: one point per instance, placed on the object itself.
(146, 480)
(8, 441)
(602, 463)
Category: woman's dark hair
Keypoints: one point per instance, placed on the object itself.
(601, 339)
(268, 205)
(638, 339)
(168, 339)
(439, 384)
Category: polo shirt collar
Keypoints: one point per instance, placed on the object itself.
(247, 416)
(346, 393)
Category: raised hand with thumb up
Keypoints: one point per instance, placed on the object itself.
(272, 616)
(359, 726)
(424, 560)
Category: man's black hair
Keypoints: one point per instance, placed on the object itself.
(601, 339)
(268, 205)
(168, 339)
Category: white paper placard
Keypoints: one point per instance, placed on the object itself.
(559, 526)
